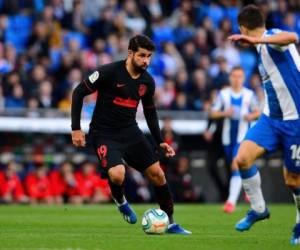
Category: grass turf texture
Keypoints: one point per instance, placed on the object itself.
(102, 228)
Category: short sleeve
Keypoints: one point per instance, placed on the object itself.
(276, 46)
(254, 103)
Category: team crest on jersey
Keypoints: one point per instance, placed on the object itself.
(142, 89)
(93, 77)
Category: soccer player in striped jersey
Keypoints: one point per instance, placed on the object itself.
(279, 125)
(239, 107)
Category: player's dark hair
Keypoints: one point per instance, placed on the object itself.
(237, 68)
(141, 41)
(251, 17)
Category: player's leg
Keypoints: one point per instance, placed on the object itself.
(164, 197)
(143, 158)
(235, 182)
(292, 180)
(290, 131)
(163, 194)
(259, 138)
(248, 152)
(111, 167)
(116, 179)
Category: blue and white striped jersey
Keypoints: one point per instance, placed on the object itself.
(279, 67)
(244, 102)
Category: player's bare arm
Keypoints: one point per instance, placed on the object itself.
(252, 116)
(282, 38)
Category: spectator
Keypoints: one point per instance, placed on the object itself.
(11, 189)
(103, 26)
(182, 82)
(91, 187)
(181, 102)
(200, 89)
(221, 78)
(38, 44)
(65, 104)
(190, 55)
(171, 59)
(17, 99)
(132, 17)
(45, 95)
(38, 74)
(38, 186)
(181, 182)
(64, 185)
(166, 95)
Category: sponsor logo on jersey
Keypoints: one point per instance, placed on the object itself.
(93, 77)
(128, 103)
(120, 85)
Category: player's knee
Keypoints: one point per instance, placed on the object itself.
(158, 177)
(117, 175)
(242, 161)
(292, 180)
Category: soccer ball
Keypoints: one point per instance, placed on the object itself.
(155, 221)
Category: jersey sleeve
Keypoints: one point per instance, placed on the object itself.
(148, 98)
(96, 81)
(151, 113)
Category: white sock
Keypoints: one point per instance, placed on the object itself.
(235, 186)
(297, 203)
(252, 187)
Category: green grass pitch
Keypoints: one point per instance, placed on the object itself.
(102, 228)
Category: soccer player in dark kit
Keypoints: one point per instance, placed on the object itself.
(114, 132)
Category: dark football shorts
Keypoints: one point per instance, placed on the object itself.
(128, 146)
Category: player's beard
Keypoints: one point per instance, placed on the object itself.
(137, 68)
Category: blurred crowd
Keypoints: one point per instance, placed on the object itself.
(48, 46)
(56, 186)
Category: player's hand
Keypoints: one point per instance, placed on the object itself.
(168, 150)
(229, 112)
(208, 136)
(78, 138)
(248, 118)
(243, 39)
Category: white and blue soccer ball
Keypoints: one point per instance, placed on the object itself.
(155, 221)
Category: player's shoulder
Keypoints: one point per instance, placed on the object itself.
(110, 67)
(148, 77)
(148, 80)
(248, 91)
(104, 72)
